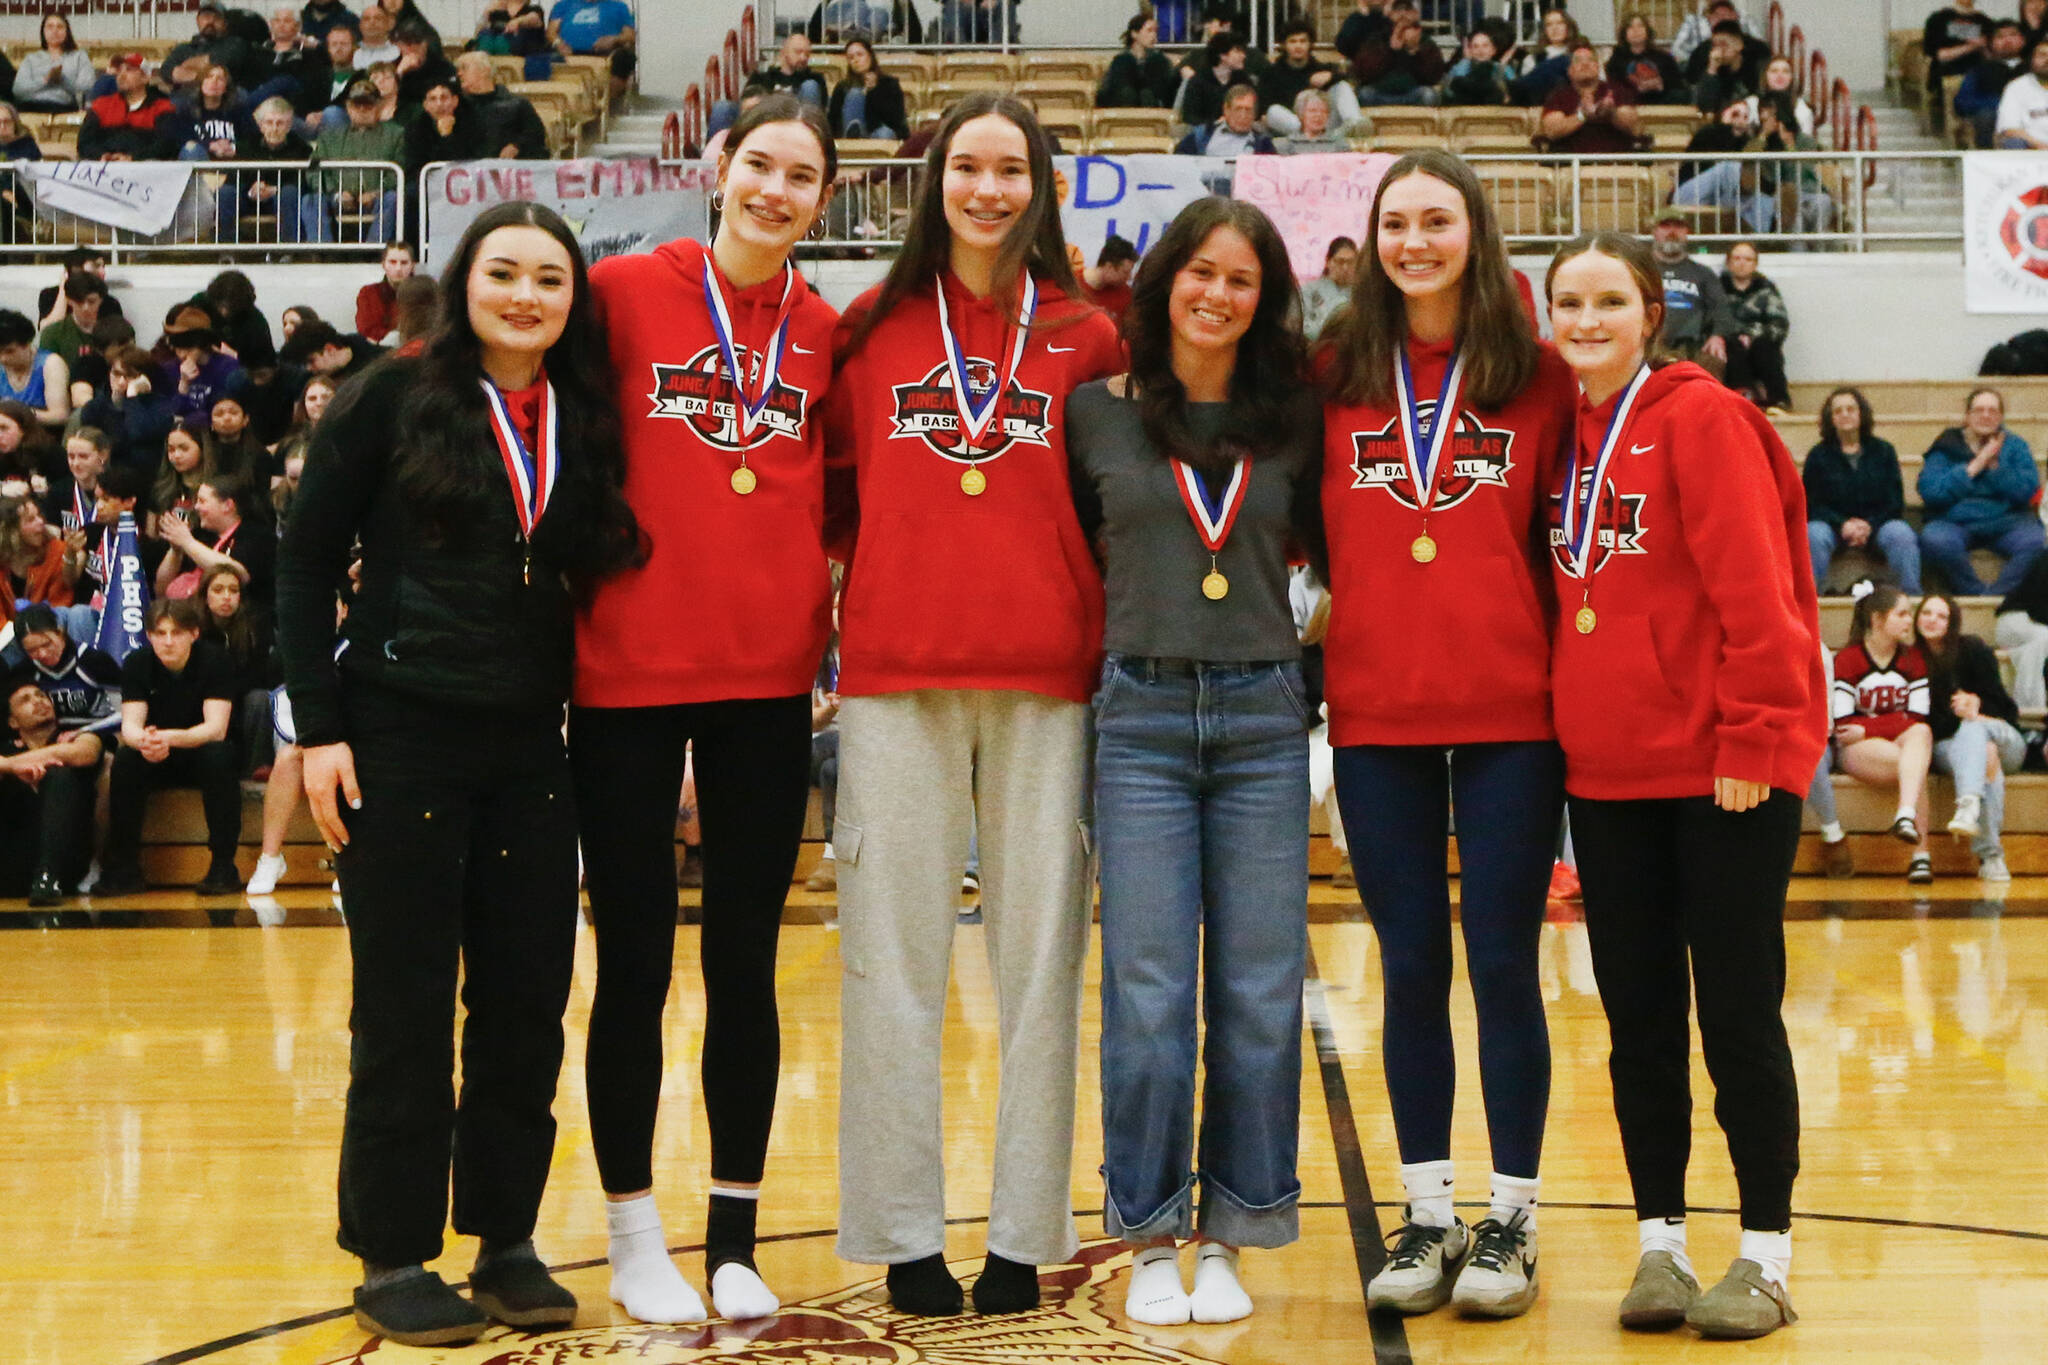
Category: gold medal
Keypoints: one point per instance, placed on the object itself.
(1215, 586)
(1585, 620)
(1424, 549)
(743, 481)
(973, 483)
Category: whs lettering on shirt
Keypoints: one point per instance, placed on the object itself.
(1865, 688)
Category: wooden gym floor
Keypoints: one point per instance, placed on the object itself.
(172, 1106)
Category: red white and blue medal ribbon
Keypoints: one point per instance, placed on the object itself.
(1424, 440)
(532, 474)
(1213, 515)
(977, 417)
(1580, 513)
(747, 408)
(81, 511)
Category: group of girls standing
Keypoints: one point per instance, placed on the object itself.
(1066, 632)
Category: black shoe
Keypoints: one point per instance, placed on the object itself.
(119, 881)
(221, 879)
(46, 891)
(420, 1310)
(518, 1291)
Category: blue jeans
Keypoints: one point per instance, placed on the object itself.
(1420, 94)
(279, 218)
(1396, 801)
(1965, 755)
(1947, 546)
(1201, 817)
(316, 220)
(1894, 539)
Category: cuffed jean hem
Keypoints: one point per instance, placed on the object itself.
(1226, 1218)
(1174, 1218)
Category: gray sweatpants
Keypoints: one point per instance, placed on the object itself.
(912, 767)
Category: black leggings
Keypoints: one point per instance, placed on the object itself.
(753, 766)
(1668, 880)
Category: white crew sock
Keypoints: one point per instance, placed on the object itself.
(1832, 833)
(1156, 1297)
(1513, 1194)
(1905, 813)
(1665, 1234)
(1218, 1297)
(1771, 1250)
(645, 1282)
(740, 1295)
(1431, 1187)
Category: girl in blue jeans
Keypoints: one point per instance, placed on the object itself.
(1196, 476)
(1977, 738)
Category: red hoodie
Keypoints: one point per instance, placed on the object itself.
(946, 590)
(1705, 657)
(736, 597)
(1456, 651)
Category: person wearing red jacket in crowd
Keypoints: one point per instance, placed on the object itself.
(1691, 703)
(971, 634)
(377, 303)
(1881, 703)
(722, 357)
(1444, 417)
(135, 123)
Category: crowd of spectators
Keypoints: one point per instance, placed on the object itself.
(1990, 73)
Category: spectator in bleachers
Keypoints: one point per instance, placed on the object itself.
(230, 441)
(1718, 73)
(36, 563)
(70, 336)
(30, 374)
(2021, 630)
(1778, 81)
(1297, 70)
(1955, 39)
(421, 62)
(16, 144)
(2023, 108)
(213, 44)
(1880, 706)
(1645, 68)
(179, 474)
(216, 118)
(1697, 320)
(2033, 22)
(1140, 76)
(135, 123)
(293, 63)
(977, 21)
(321, 17)
(868, 102)
(222, 536)
(289, 460)
(58, 76)
(1717, 183)
(368, 137)
(1364, 24)
(1855, 494)
(124, 490)
(192, 363)
(1476, 78)
(1545, 67)
(1322, 296)
(1979, 484)
(1698, 27)
(373, 43)
(288, 321)
(1977, 740)
(1107, 283)
(51, 303)
(83, 684)
(28, 457)
(73, 495)
(1752, 52)
(1220, 67)
(1404, 68)
(376, 304)
(512, 128)
(1783, 184)
(321, 104)
(243, 634)
(322, 348)
(791, 71)
(176, 700)
(1234, 134)
(273, 197)
(134, 416)
(1756, 351)
(512, 28)
(48, 780)
(604, 28)
(1588, 116)
(1977, 97)
(419, 312)
(1315, 131)
(449, 130)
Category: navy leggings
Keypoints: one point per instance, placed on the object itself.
(1396, 802)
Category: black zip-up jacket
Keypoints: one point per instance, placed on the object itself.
(1975, 670)
(1872, 488)
(452, 620)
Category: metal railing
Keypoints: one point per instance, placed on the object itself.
(231, 207)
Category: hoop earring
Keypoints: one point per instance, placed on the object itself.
(718, 200)
(817, 232)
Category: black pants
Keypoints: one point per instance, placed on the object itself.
(1665, 881)
(46, 828)
(463, 855)
(753, 763)
(215, 769)
(825, 773)
(1760, 365)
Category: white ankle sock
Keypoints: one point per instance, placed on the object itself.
(1905, 813)
(739, 1294)
(826, 855)
(645, 1282)
(1431, 1188)
(1665, 1234)
(1218, 1297)
(1771, 1250)
(1513, 1194)
(1832, 833)
(1156, 1297)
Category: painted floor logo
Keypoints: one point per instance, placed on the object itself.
(854, 1325)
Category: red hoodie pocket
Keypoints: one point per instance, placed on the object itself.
(1609, 695)
(1447, 647)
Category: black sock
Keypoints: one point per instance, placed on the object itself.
(1005, 1286)
(377, 1276)
(924, 1287)
(729, 1232)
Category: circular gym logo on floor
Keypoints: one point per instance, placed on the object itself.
(852, 1325)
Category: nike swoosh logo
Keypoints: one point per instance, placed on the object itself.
(1642, 450)
(800, 350)
(1062, 350)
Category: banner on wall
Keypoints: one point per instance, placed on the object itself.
(1133, 197)
(1313, 199)
(140, 196)
(615, 206)
(2005, 232)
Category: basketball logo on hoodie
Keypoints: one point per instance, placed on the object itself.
(926, 409)
(1620, 526)
(698, 392)
(1480, 456)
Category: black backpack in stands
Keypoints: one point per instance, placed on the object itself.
(2026, 353)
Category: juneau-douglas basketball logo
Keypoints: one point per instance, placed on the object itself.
(698, 392)
(926, 409)
(1480, 457)
(1620, 524)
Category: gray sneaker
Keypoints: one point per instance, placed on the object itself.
(1421, 1268)
(1499, 1278)
(1743, 1305)
(1993, 869)
(1660, 1296)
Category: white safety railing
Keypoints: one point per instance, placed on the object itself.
(998, 25)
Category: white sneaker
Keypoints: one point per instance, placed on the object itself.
(1968, 821)
(1499, 1278)
(1422, 1263)
(1993, 869)
(269, 868)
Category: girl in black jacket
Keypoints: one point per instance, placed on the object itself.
(868, 103)
(481, 480)
(1977, 738)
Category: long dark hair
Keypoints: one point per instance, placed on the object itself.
(1943, 653)
(1036, 242)
(446, 457)
(236, 634)
(1865, 419)
(1494, 335)
(171, 486)
(785, 109)
(1265, 387)
(1873, 604)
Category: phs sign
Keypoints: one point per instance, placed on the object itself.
(2005, 232)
